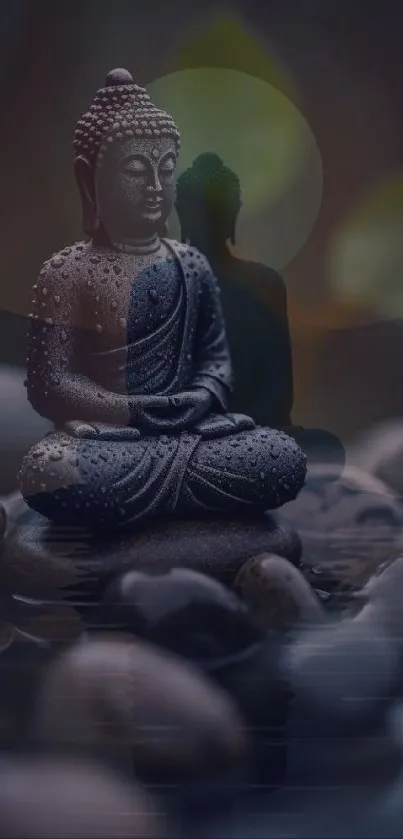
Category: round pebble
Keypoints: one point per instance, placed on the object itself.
(184, 611)
(345, 671)
(381, 598)
(277, 593)
(129, 701)
(65, 799)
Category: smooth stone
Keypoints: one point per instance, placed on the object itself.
(381, 599)
(345, 675)
(277, 593)
(379, 452)
(259, 686)
(185, 611)
(54, 797)
(39, 560)
(129, 701)
(348, 527)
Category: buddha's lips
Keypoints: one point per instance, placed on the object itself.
(153, 204)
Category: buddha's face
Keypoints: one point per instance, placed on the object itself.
(135, 187)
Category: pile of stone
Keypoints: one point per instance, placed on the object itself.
(253, 696)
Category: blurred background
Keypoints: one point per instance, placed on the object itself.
(302, 100)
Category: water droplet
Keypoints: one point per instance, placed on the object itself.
(153, 295)
(98, 327)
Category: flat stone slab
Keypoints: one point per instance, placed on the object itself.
(47, 562)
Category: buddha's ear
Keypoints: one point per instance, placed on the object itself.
(86, 184)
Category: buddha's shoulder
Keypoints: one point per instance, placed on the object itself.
(80, 258)
(189, 255)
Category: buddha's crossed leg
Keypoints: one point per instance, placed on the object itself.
(112, 485)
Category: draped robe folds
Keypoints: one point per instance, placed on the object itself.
(108, 477)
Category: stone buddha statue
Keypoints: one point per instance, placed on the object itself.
(128, 355)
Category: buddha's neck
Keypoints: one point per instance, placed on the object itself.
(138, 246)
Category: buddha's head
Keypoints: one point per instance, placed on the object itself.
(125, 158)
(208, 201)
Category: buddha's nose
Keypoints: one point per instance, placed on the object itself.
(155, 185)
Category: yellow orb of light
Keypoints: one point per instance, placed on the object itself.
(259, 134)
(366, 253)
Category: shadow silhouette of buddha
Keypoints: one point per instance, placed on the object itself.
(254, 299)
(253, 296)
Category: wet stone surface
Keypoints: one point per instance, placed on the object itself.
(185, 611)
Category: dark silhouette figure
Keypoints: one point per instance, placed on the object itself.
(254, 301)
(253, 296)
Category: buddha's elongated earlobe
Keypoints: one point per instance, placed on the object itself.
(86, 184)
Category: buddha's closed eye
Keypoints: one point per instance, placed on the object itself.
(167, 166)
(140, 165)
(135, 166)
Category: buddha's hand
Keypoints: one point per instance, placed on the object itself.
(192, 404)
(150, 412)
(100, 431)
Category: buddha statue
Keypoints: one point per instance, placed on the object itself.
(128, 355)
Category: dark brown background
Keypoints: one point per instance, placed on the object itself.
(348, 63)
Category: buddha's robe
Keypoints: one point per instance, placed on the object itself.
(109, 477)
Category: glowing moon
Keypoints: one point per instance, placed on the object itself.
(264, 139)
(366, 253)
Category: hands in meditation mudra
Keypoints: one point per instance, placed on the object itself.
(128, 353)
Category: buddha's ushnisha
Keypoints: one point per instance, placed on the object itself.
(120, 109)
(128, 353)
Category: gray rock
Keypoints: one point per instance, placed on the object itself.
(347, 526)
(277, 593)
(65, 798)
(126, 700)
(43, 561)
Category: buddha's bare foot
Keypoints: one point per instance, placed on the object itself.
(101, 431)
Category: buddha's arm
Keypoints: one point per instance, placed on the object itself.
(213, 360)
(55, 387)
